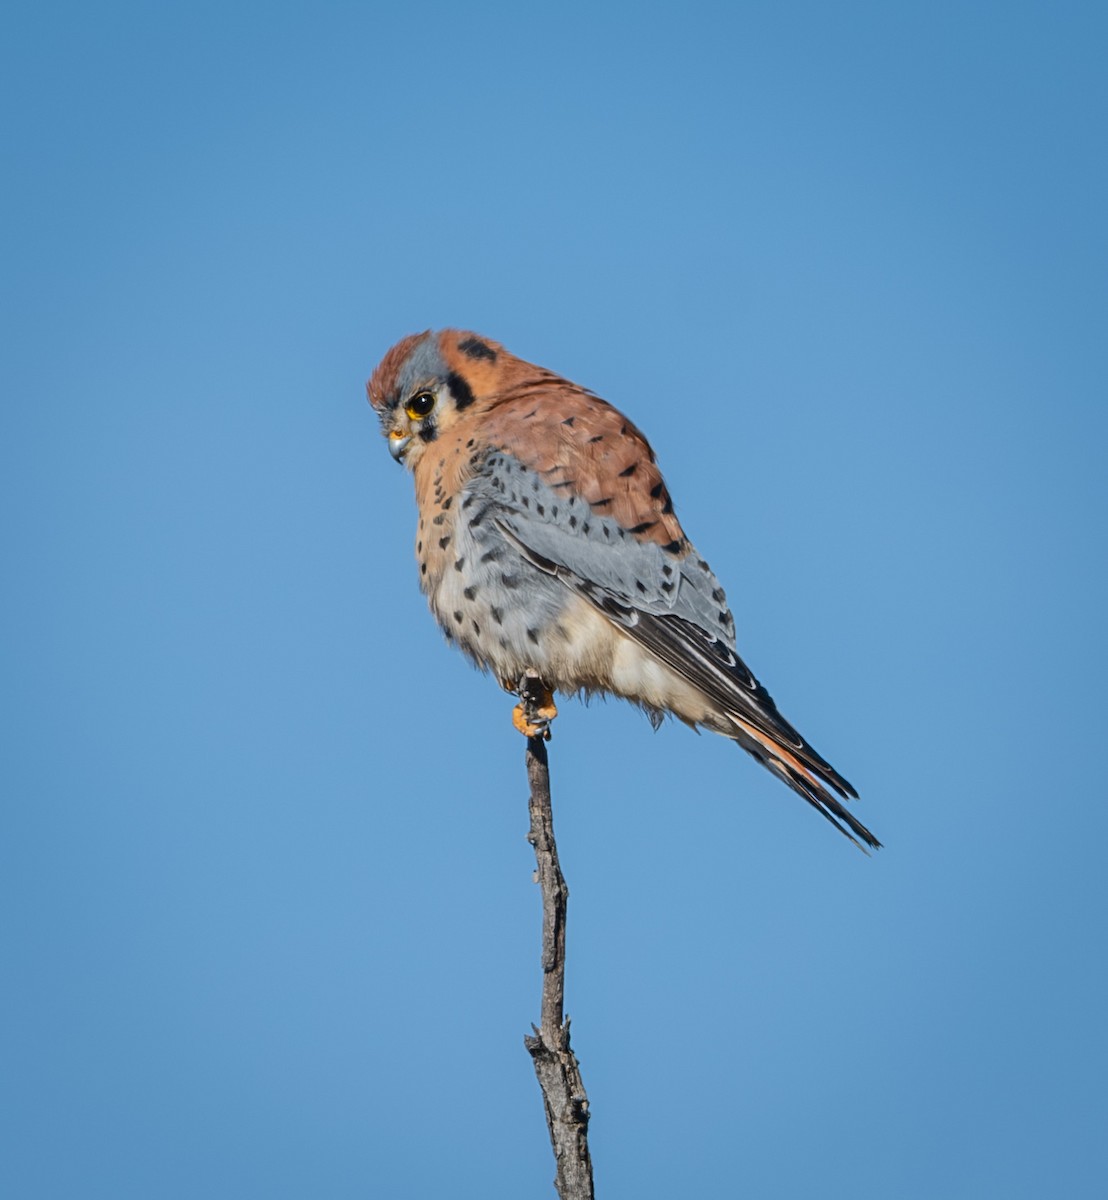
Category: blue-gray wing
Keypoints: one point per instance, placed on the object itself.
(672, 605)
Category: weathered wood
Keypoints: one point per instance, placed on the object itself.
(556, 1066)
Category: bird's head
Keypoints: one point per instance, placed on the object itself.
(427, 381)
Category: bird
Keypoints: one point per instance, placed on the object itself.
(551, 554)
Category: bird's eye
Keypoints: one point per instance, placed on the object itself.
(420, 405)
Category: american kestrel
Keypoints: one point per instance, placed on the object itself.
(548, 548)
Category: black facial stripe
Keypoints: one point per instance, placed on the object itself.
(460, 390)
(428, 433)
(475, 348)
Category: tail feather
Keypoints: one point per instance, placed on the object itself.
(807, 780)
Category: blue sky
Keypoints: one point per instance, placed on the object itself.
(269, 927)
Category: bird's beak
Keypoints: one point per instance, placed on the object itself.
(398, 443)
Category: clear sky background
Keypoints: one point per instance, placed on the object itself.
(268, 922)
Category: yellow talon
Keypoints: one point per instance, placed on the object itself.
(535, 710)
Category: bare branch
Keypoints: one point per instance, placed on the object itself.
(559, 1075)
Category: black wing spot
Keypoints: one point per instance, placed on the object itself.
(717, 595)
(470, 593)
(459, 563)
(628, 471)
(511, 582)
(672, 547)
(569, 421)
(657, 490)
(601, 503)
(444, 542)
(599, 437)
(642, 527)
(498, 615)
(533, 636)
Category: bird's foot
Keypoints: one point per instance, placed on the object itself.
(535, 710)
